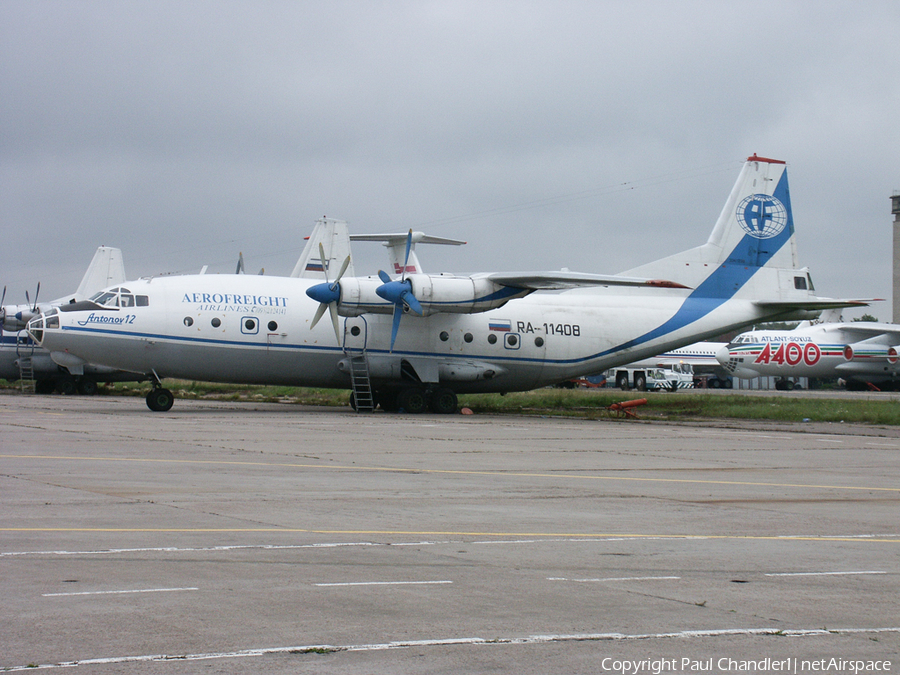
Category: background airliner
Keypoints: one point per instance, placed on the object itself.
(864, 354)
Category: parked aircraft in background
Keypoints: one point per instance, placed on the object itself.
(21, 359)
(415, 340)
(864, 354)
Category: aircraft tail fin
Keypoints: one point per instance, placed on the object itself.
(107, 269)
(754, 230)
(334, 236)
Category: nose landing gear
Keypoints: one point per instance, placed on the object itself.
(159, 399)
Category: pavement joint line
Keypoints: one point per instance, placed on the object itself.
(510, 474)
(823, 574)
(125, 592)
(382, 583)
(587, 536)
(462, 641)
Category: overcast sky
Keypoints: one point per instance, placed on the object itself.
(589, 135)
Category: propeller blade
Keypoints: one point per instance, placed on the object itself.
(398, 313)
(334, 321)
(343, 269)
(384, 276)
(36, 294)
(319, 312)
(240, 264)
(413, 303)
(322, 259)
(406, 259)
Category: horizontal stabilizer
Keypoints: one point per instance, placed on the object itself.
(554, 281)
(402, 248)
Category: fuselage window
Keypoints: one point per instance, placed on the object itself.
(538, 342)
(273, 326)
(216, 322)
(188, 321)
(492, 338)
(142, 300)
(468, 337)
(444, 336)
(249, 324)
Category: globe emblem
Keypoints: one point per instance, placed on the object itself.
(762, 216)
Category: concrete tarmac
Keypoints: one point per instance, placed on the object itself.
(241, 538)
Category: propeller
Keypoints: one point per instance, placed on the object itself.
(328, 294)
(32, 308)
(240, 263)
(399, 293)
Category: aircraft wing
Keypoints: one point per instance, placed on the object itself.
(555, 281)
(814, 304)
(864, 330)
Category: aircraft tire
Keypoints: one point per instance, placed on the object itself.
(66, 386)
(87, 386)
(160, 400)
(413, 400)
(443, 401)
(386, 399)
(44, 387)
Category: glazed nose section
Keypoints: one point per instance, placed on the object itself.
(37, 326)
(35, 329)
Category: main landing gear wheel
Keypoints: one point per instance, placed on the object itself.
(413, 400)
(444, 401)
(160, 400)
(87, 386)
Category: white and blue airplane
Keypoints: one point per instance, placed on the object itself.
(414, 341)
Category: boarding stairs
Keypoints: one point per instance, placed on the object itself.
(360, 381)
(26, 374)
(25, 354)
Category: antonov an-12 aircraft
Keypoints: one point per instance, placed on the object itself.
(414, 341)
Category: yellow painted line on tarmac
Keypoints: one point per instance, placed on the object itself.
(444, 533)
(386, 469)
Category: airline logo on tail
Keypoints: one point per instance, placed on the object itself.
(762, 216)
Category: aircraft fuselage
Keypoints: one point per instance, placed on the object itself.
(251, 329)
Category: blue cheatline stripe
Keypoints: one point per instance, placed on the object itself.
(742, 263)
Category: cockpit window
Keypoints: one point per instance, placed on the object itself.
(120, 297)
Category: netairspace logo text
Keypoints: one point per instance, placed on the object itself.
(725, 664)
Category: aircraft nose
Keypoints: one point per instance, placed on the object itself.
(723, 355)
(37, 326)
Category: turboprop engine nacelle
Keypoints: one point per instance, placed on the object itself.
(436, 293)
